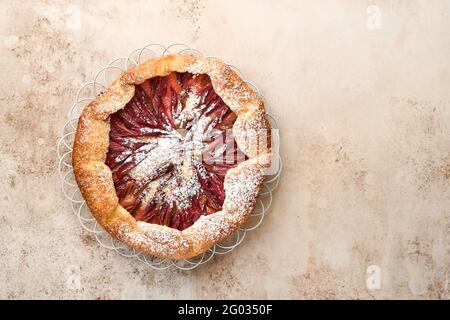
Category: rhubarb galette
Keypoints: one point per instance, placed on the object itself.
(171, 157)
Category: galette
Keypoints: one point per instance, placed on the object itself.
(171, 157)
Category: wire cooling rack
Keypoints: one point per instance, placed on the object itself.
(88, 92)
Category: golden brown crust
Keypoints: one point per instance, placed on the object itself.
(241, 183)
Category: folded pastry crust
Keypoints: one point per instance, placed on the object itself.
(241, 184)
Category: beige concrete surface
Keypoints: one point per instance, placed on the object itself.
(361, 91)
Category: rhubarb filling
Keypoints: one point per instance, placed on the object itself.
(170, 148)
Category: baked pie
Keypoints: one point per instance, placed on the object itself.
(170, 158)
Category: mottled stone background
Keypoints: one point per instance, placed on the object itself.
(361, 90)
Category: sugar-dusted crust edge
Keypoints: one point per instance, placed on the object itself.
(241, 184)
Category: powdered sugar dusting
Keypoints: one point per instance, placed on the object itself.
(157, 239)
(211, 228)
(242, 186)
(182, 152)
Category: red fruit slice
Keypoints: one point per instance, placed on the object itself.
(147, 87)
(128, 197)
(173, 83)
